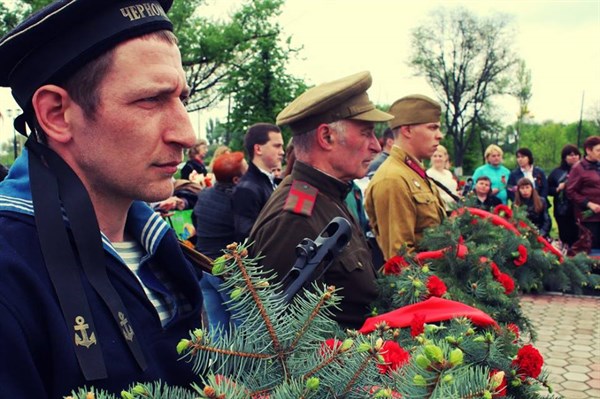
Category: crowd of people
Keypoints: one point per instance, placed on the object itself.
(96, 289)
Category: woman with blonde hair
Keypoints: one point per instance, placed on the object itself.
(220, 150)
(494, 169)
(440, 173)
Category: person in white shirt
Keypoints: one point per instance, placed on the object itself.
(439, 172)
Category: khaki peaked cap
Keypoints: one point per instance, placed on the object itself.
(414, 110)
(344, 98)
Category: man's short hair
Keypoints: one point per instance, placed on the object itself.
(227, 166)
(388, 134)
(485, 178)
(591, 142)
(258, 134)
(525, 152)
(83, 85)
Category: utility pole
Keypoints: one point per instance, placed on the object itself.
(580, 122)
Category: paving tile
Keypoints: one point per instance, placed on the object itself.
(568, 337)
(595, 383)
(578, 369)
(575, 385)
(568, 394)
(585, 355)
(552, 361)
(579, 377)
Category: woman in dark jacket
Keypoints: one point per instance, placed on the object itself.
(526, 168)
(215, 230)
(583, 188)
(563, 207)
(537, 210)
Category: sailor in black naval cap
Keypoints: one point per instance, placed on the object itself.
(94, 288)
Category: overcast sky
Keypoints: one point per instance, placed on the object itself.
(559, 41)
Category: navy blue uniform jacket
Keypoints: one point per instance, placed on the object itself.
(37, 358)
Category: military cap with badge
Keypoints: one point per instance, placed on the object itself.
(344, 98)
(46, 48)
(414, 109)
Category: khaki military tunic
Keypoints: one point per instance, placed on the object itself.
(401, 203)
(289, 216)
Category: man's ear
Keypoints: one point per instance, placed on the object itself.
(257, 149)
(405, 131)
(325, 137)
(54, 110)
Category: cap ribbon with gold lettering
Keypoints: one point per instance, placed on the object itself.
(64, 36)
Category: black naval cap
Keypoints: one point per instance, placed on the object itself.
(63, 36)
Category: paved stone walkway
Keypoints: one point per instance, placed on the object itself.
(568, 329)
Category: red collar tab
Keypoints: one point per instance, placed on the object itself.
(416, 167)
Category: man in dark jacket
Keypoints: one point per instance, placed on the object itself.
(334, 142)
(264, 146)
(95, 289)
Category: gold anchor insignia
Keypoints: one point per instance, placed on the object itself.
(126, 327)
(82, 327)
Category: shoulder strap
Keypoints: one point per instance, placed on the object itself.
(301, 198)
(446, 190)
(63, 183)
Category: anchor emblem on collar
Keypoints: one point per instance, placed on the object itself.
(126, 328)
(83, 340)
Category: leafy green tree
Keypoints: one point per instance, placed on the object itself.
(260, 86)
(545, 142)
(211, 49)
(467, 61)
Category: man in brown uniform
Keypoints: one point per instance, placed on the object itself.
(334, 142)
(401, 201)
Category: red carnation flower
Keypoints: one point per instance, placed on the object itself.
(522, 224)
(436, 286)
(461, 248)
(513, 328)
(417, 325)
(522, 255)
(529, 362)
(504, 211)
(393, 356)
(395, 265)
(500, 391)
(507, 283)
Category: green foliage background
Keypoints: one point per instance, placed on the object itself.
(242, 59)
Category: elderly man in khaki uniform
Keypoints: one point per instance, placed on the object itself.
(401, 201)
(334, 142)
